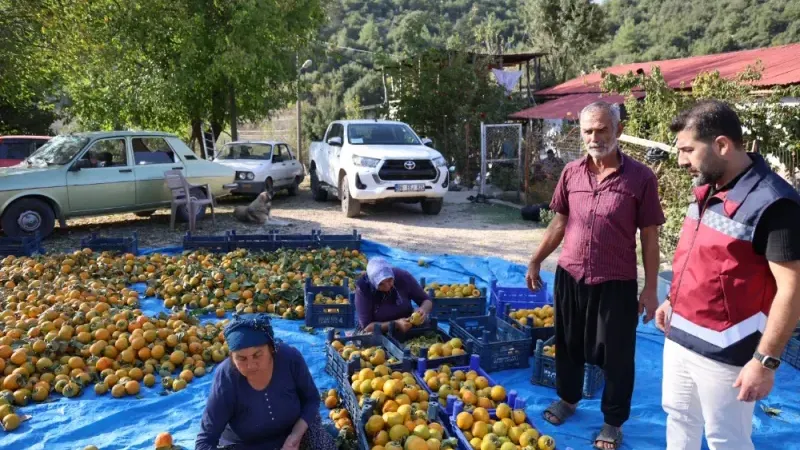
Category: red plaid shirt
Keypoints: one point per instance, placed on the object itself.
(600, 238)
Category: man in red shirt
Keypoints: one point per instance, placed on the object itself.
(600, 202)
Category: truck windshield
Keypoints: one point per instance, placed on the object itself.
(246, 151)
(60, 150)
(381, 134)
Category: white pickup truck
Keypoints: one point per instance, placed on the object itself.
(371, 161)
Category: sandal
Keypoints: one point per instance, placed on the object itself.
(559, 412)
(609, 435)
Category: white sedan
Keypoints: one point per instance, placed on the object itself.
(262, 165)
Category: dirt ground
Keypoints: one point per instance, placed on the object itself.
(461, 228)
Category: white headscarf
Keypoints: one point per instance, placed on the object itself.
(378, 270)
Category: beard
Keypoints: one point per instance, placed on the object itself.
(708, 173)
(600, 151)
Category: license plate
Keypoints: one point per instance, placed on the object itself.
(409, 187)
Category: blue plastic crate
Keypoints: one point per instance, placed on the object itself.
(298, 241)
(214, 244)
(544, 371)
(340, 241)
(446, 308)
(507, 299)
(21, 246)
(791, 354)
(127, 244)
(434, 415)
(399, 338)
(253, 242)
(336, 316)
(474, 364)
(463, 443)
(342, 370)
(500, 346)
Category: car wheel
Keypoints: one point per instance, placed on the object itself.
(145, 213)
(27, 216)
(269, 186)
(432, 207)
(317, 192)
(350, 206)
(183, 210)
(294, 186)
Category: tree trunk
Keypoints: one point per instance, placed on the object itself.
(197, 137)
(234, 119)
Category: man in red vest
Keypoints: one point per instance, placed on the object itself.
(601, 201)
(734, 300)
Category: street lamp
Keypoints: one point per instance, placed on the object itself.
(305, 66)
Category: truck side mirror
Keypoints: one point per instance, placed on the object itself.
(427, 142)
(335, 141)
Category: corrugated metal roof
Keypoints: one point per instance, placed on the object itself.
(568, 106)
(781, 67)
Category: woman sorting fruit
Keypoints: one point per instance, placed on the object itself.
(384, 295)
(263, 396)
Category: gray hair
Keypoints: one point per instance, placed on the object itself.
(611, 109)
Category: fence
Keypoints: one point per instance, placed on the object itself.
(502, 157)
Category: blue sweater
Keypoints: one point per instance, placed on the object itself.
(236, 414)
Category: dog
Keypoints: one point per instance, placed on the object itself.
(258, 211)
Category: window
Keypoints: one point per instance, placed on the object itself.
(107, 153)
(15, 149)
(288, 154)
(279, 153)
(152, 150)
(381, 134)
(245, 151)
(337, 130)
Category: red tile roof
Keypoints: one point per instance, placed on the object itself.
(781, 67)
(566, 107)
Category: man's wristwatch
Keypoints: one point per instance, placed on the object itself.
(767, 361)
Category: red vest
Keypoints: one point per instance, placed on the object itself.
(722, 289)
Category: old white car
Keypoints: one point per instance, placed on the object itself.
(262, 165)
(87, 174)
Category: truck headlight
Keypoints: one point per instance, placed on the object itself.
(363, 161)
(439, 162)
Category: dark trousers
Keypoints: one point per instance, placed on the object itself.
(596, 324)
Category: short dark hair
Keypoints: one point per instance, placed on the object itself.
(710, 119)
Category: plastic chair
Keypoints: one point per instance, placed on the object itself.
(181, 195)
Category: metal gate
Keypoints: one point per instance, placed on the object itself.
(501, 157)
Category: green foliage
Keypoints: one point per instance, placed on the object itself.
(773, 125)
(649, 30)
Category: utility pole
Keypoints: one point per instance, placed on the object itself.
(305, 65)
(234, 119)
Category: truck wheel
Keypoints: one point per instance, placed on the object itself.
(432, 206)
(27, 216)
(350, 206)
(317, 192)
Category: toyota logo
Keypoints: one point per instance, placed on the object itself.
(409, 165)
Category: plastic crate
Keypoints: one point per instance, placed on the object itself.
(791, 354)
(336, 316)
(253, 242)
(309, 241)
(340, 241)
(544, 371)
(214, 244)
(446, 308)
(128, 244)
(500, 346)
(463, 443)
(434, 415)
(399, 338)
(22, 246)
(342, 370)
(474, 364)
(506, 299)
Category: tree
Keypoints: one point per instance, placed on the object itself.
(164, 64)
(567, 30)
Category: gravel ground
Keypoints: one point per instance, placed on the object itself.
(461, 228)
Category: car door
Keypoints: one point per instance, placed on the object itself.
(102, 179)
(334, 151)
(283, 165)
(294, 168)
(152, 156)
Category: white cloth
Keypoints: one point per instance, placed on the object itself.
(697, 390)
(507, 78)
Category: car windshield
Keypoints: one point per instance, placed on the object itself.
(381, 134)
(246, 151)
(60, 150)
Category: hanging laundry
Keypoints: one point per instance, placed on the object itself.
(507, 78)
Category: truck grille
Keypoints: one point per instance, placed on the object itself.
(395, 170)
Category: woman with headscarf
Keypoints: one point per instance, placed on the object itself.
(263, 396)
(384, 295)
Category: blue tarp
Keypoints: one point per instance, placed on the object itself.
(132, 423)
